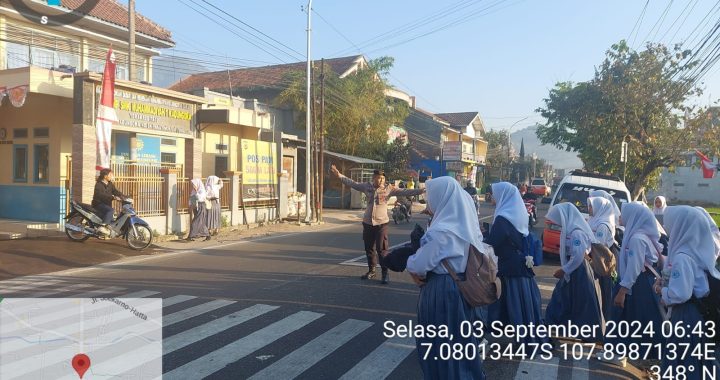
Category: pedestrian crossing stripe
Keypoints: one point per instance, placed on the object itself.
(379, 363)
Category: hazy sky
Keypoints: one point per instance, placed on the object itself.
(497, 57)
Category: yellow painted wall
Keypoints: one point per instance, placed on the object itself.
(38, 111)
(226, 134)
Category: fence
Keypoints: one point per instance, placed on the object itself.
(141, 169)
(184, 188)
(148, 194)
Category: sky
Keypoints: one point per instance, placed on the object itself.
(497, 57)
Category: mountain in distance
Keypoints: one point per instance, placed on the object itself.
(558, 158)
(168, 69)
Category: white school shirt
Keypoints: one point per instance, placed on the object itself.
(632, 261)
(604, 236)
(686, 279)
(434, 247)
(577, 245)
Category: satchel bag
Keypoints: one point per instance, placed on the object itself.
(603, 261)
(481, 285)
(208, 205)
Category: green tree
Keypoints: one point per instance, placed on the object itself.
(357, 111)
(497, 154)
(397, 159)
(637, 97)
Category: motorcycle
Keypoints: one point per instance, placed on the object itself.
(83, 223)
(531, 210)
(400, 212)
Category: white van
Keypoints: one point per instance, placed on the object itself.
(576, 188)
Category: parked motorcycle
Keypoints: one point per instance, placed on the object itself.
(83, 223)
(531, 210)
(400, 212)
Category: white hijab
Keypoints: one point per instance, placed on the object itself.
(640, 221)
(691, 235)
(606, 195)
(212, 187)
(570, 219)
(660, 210)
(603, 213)
(453, 211)
(714, 229)
(509, 205)
(198, 189)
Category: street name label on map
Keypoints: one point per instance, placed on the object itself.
(44, 337)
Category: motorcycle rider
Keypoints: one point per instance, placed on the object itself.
(470, 188)
(103, 196)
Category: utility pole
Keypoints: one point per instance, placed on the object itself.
(131, 40)
(316, 152)
(308, 120)
(322, 137)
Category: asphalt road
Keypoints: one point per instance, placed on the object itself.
(319, 320)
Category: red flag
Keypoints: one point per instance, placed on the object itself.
(707, 165)
(106, 115)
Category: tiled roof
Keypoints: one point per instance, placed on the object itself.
(254, 77)
(115, 13)
(458, 119)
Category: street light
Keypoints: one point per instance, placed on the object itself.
(510, 143)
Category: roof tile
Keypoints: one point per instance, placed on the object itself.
(253, 77)
(115, 13)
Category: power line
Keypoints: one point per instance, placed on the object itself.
(659, 22)
(638, 23)
(253, 28)
(231, 31)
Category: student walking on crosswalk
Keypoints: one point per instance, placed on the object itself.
(576, 297)
(520, 302)
(453, 229)
(633, 296)
(690, 256)
(602, 223)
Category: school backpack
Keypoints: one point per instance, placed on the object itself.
(481, 285)
(709, 306)
(531, 247)
(602, 260)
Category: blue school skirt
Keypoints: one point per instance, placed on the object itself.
(643, 306)
(577, 301)
(441, 304)
(688, 314)
(606, 300)
(520, 303)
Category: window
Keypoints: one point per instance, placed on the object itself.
(68, 59)
(121, 72)
(42, 163)
(96, 65)
(20, 133)
(17, 55)
(578, 194)
(168, 142)
(167, 157)
(41, 132)
(221, 165)
(42, 57)
(20, 155)
(703, 185)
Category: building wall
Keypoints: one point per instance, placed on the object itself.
(81, 52)
(688, 185)
(33, 199)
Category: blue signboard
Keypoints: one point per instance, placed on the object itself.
(148, 148)
(122, 145)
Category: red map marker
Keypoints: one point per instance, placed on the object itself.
(81, 363)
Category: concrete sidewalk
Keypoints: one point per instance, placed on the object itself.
(51, 254)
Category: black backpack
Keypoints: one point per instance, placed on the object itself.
(709, 306)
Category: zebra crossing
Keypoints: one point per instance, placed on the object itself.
(215, 338)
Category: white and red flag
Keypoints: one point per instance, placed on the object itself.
(708, 167)
(106, 115)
